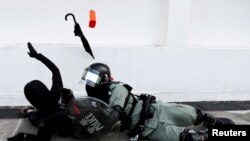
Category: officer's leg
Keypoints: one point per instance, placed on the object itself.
(165, 132)
(178, 114)
(170, 132)
(185, 114)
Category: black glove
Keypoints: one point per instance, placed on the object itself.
(32, 52)
(77, 30)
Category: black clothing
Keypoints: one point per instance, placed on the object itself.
(43, 99)
(50, 115)
(36, 91)
(58, 123)
(50, 126)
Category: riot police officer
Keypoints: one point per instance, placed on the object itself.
(143, 115)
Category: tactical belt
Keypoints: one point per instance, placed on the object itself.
(129, 88)
(147, 112)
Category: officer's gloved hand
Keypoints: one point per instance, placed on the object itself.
(77, 30)
(32, 52)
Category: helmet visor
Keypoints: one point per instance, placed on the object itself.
(91, 77)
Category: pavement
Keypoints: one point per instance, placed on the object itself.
(239, 112)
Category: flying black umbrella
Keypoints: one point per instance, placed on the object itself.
(78, 32)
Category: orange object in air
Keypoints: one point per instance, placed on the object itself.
(92, 19)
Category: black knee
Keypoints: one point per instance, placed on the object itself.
(36, 93)
(35, 86)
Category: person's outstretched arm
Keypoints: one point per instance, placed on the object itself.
(57, 84)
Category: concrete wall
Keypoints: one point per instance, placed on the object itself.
(193, 50)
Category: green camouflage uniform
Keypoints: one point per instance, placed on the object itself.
(170, 119)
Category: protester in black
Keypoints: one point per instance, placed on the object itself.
(48, 113)
(44, 100)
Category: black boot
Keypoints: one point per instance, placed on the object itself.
(208, 119)
(224, 121)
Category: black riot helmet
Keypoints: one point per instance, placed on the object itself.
(97, 78)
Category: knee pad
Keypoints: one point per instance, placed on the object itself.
(193, 136)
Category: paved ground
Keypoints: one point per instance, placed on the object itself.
(8, 127)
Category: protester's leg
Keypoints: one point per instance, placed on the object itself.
(37, 94)
(57, 123)
(23, 137)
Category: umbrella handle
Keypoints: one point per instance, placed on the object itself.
(70, 14)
